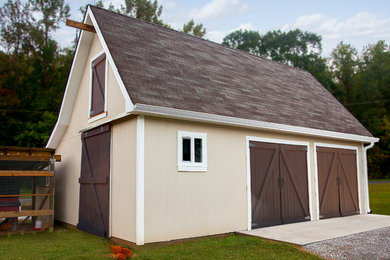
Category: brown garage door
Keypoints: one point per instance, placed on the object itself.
(278, 184)
(337, 182)
(95, 181)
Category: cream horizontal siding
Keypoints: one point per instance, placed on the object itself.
(123, 179)
(68, 170)
(188, 204)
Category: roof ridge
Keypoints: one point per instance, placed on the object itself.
(199, 38)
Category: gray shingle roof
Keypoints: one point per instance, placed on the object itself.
(166, 68)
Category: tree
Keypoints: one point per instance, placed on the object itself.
(52, 13)
(33, 70)
(345, 64)
(196, 30)
(143, 9)
(290, 47)
(296, 48)
(246, 40)
(15, 20)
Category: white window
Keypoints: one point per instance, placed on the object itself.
(192, 151)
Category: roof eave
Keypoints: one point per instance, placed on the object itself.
(74, 79)
(143, 109)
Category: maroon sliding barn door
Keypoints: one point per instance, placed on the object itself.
(337, 182)
(279, 188)
(95, 181)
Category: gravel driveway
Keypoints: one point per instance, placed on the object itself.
(373, 244)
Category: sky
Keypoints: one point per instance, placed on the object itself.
(358, 22)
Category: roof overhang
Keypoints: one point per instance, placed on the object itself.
(247, 123)
(76, 73)
(75, 76)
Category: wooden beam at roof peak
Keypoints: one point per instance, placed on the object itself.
(82, 26)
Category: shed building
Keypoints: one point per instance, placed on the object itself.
(166, 136)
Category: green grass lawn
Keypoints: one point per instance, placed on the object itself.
(74, 244)
(60, 244)
(380, 198)
(377, 180)
(230, 247)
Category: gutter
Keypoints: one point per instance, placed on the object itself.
(365, 173)
(142, 109)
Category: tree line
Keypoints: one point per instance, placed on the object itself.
(34, 70)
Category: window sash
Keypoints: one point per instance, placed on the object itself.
(198, 160)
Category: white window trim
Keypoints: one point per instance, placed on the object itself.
(248, 172)
(191, 166)
(104, 114)
(337, 146)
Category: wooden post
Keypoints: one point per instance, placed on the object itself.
(81, 26)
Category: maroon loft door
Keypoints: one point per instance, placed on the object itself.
(278, 184)
(95, 181)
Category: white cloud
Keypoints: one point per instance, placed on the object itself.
(359, 30)
(64, 36)
(245, 26)
(217, 9)
(217, 36)
(116, 3)
(168, 5)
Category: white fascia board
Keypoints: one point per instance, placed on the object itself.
(128, 104)
(234, 121)
(72, 87)
(74, 79)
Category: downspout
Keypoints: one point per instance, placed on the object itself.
(365, 172)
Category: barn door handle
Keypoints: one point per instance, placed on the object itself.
(280, 182)
(338, 179)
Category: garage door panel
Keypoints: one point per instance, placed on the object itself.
(278, 173)
(348, 191)
(265, 195)
(293, 172)
(327, 183)
(337, 182)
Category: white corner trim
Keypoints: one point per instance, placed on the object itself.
(234, 121)
(309, 177)
(248, 184)
(110, 194)
(317, 216)
(365, 174)
(126, 96)
(248, 171)
(140, 185)
(337, 146)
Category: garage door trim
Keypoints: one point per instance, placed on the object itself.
(337, 146)
(248, 170)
